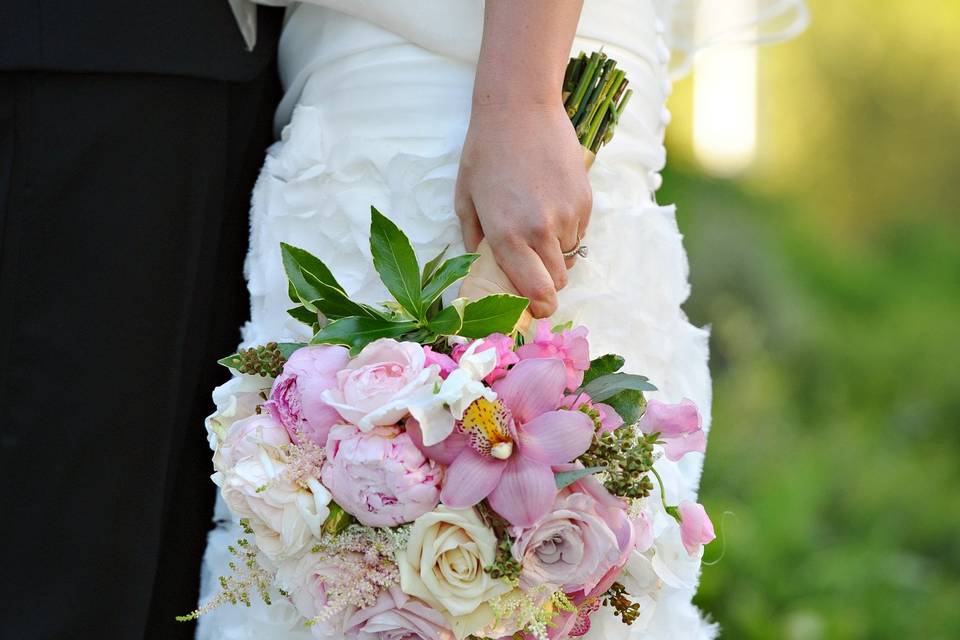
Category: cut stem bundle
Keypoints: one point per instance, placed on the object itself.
(595, 94)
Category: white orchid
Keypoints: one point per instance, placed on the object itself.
(439, 413)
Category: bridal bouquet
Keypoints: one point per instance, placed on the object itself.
(437, 471)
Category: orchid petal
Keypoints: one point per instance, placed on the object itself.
(525, 493)
(556, 437)
(470, 479)
(445, 451)
(670, 420)
(676, 448)
(532, 387)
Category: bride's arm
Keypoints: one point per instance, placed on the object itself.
(522, 181)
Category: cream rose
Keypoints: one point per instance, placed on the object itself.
(443, 565)
(285, 517)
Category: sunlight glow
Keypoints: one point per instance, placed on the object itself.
(725, 96)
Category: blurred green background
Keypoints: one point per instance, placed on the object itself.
(830, 273)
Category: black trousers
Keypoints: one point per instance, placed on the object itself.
(123, 225)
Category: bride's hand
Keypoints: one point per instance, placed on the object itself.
(522, 184)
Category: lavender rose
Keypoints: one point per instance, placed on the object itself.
(296, 400)
(573, 547)
(397, 616)
(381, 477)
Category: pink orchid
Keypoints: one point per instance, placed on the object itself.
(695, 526)
(504, 450)
(506, 357)
(679, 426)
(570, 345)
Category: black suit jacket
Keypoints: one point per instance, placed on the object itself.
(196, 38)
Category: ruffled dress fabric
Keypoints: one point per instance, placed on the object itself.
(377, 106)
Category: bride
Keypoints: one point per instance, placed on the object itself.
(447, 116)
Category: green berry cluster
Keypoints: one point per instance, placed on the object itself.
(616, 598)
(627, 456)
(505, 566)
(266, 360)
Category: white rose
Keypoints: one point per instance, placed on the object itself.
(235, 399)
(284, 516)
(443, 565)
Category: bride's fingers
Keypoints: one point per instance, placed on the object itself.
(551, 254)
(469, 222)
(526, 271)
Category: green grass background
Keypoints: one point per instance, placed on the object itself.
(830, 273)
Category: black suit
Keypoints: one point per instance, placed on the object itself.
(130, 137)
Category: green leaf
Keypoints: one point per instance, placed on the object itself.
(606, 386)
(309, 263)
(565, 478)
(306, 273)
(497, 313)
(335, 304)
(431, 267)
(304, 315)
(395, 261)
(602, 366)
(357, 332)
(629, 405)
(453, 270)
(447, 322)
(560, 328)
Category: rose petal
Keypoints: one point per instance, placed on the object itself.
(470, 479)
(525, 493)
(532, 387)
(556, 437)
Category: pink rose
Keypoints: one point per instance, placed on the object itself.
(296, 400)
(378, 387)
(380, 477)
(397, 616)
(442, 360)
(695, 526)
(245, 437)
(679, 426)
(506, 357)
(572, 547)
(570, 345)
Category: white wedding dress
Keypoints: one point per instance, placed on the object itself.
(376, 108)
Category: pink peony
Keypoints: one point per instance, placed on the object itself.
(695, 526)
(679, 426)
(442, 360)
(643, 527)
(571, 547)
(380, 477)
(570, 345)
(296, 400)
(397, 616)
(378, 387)
(506, 356)
(245, 437)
